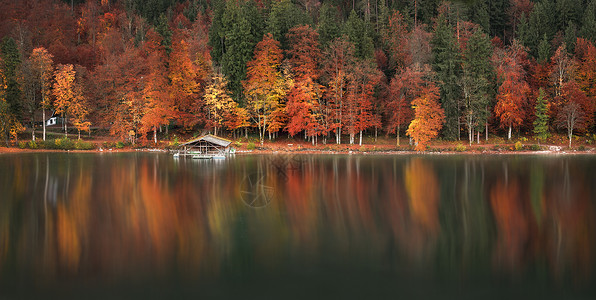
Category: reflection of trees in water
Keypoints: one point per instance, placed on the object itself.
(144, 214)
(422, 226)
(569, 227)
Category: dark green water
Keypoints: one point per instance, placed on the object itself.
(148, 226)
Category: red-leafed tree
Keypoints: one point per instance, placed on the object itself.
(428, 117)
(159, 108)
(514, 90)
(364, 80)
(395, 38)
(562, 69)
(305, 108)
(338, 60)
(265, 86)
(119, 90)
(571, 115)
(586, 74)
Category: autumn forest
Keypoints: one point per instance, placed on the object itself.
(325, 71)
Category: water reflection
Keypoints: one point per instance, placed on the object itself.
(124, 216)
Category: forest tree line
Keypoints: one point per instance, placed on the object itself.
(321, 70)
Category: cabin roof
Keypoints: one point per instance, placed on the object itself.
(211, 139)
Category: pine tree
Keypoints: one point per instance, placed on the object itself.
(447, 65)
(359, 34)
(541, 122)
(242, 30)
(543, 50)
(476, 82)
(11, 60)
(588, 28)
(328, 27)
(283, 16)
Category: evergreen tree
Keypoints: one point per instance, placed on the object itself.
(588, 28)
(216, 31)
(541, 122)
(163, 28)
(567, 12)
(11, 60)
(285, 15)
(541, 22)
(497, 14)
(360, 35)
(523, 31)
(570, 37)
(446, 63)
(544, 50)
(476, 82)
(242, 30)
(329, 22)
(479, 14)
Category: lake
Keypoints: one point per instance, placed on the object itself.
(150, 226)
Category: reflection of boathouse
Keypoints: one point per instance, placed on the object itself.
(208, 145)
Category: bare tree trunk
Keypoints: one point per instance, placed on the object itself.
(360, 142)
(44, 123)
(509, 134)
(155, 135)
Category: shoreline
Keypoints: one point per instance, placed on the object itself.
(12, 150)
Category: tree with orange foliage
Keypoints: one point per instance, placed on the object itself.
(264, 86)
(187, 80)
(395, 38)
(69, 99)
(159, 108)
(358, 109)
(513, 91)
(63, 91)
(79, 110)
(119, 83)
(428, 117)
(338, 60)
(305, 108)
(405, 87)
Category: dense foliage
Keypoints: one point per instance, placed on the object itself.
(323, 69)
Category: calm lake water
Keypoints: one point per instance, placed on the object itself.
(149, 226)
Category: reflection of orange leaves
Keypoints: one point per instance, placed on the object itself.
(423, 191)
(69, 244)
(159, 212)
(512, 223)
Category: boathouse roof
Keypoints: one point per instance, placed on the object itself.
(210, 139)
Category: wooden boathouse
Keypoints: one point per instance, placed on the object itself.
(207, 146)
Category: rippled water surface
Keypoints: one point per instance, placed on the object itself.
(149, 226)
